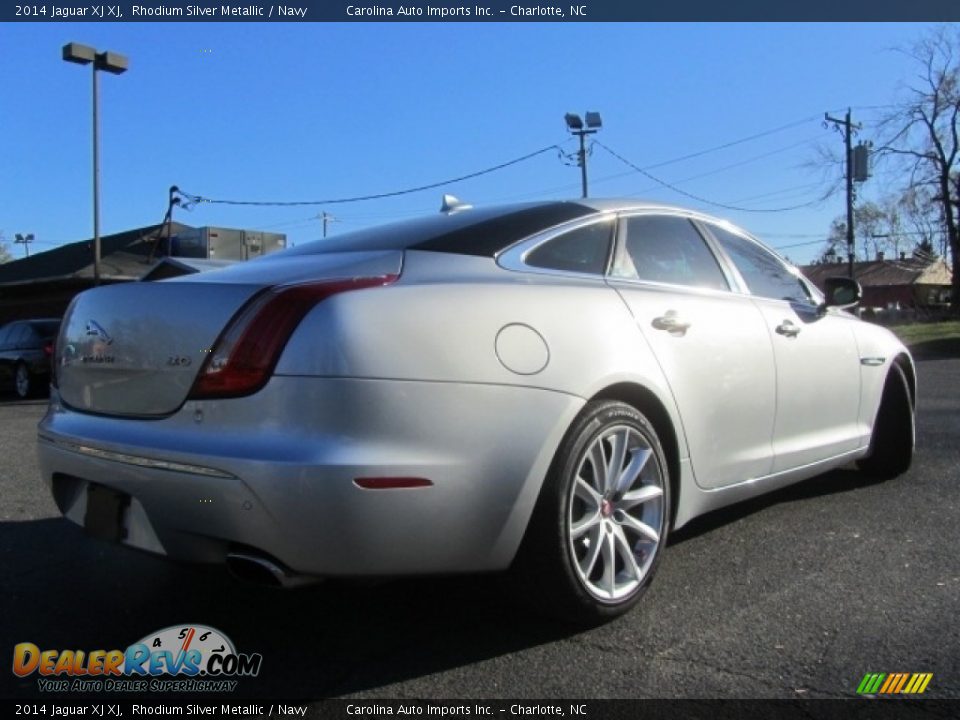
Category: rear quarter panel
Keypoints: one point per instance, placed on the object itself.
(444, 321)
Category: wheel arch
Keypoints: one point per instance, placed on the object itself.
(906, 364)
(650, 405)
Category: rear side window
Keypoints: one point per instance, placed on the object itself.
(763, 271)
(668, 249)
(583, 250)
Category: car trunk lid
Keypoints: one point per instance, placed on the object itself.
(136, 349)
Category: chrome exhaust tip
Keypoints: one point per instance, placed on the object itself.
(261, 570)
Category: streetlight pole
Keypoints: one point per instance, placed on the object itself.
(575, 126)
(113, 63)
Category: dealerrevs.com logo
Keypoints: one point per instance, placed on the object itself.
(180, 658)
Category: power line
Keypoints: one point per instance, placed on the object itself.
(733, 143)
(803, 244)
(702, 199)
(616, 176)
(731, 166)
(783, 191)
(377, 196)
(558, 145)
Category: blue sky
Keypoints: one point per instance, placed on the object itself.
(309, 111)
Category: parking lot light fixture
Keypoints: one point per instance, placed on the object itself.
(116, 64)
(575, 126)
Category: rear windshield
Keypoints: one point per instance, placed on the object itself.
(45, 328)
(477, 231)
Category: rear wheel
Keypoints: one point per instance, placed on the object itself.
(892, 441)
(601, 521)
(22, 382)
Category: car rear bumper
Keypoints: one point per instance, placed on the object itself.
(276, 472)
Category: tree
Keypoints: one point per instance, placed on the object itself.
(5, 255)
(924, 131)
(923, 219)
(877, 228)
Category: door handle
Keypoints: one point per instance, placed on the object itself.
(788, 329)
(671, 322)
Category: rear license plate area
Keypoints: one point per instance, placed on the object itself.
(104, 516)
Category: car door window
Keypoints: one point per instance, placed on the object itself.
(667, 249)
(583, 250)
(4, 336)
(765, 274)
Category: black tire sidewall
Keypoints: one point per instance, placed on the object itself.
(894, 432)
(570, 595)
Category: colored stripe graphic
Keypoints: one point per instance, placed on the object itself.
(890, 683)
(871, 683)
(894, 683)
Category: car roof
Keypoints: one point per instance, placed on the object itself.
(484, 230)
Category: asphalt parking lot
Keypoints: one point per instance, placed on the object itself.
(796, 595)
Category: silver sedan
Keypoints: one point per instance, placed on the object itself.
(551, 387)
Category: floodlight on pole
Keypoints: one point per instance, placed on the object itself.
(24, 240)
(116, 64)
(573, 121)
(575, 126)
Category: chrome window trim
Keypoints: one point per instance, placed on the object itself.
(736, 286)
(815, 296)
(514, 257)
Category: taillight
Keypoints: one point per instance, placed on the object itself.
(243, 358)
(48, 348)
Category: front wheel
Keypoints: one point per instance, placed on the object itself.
(602, 518)
(894, 433)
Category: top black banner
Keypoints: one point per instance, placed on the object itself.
(483, 11)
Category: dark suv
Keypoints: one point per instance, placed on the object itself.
(26, 349)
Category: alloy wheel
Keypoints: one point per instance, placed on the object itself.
(616, 513)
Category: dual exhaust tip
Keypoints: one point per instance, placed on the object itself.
(261, 570)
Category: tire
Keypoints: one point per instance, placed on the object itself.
(22, 382)
(595, 538)
(894, 435)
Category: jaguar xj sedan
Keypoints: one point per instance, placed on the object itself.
(551, 386)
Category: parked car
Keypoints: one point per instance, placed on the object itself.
(26, 350)
(551, 386)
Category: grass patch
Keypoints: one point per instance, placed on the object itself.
(929, 340)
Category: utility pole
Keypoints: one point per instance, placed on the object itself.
(847, 128)
(326, 218)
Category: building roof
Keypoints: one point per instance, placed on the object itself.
(174, 266)
(123, 256)
(877, 273)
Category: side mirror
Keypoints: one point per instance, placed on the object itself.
(841, 292)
